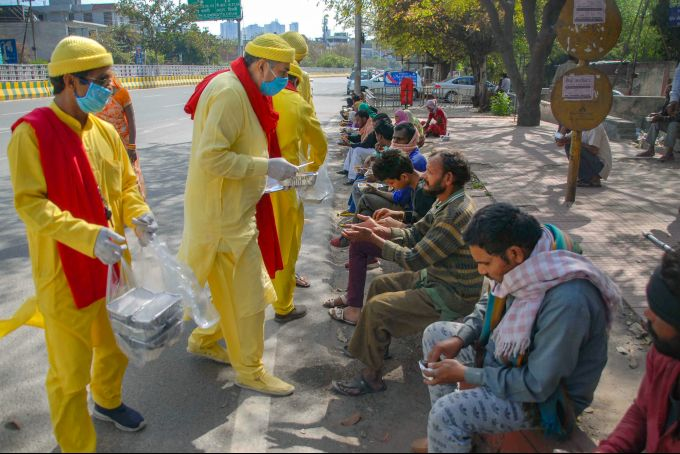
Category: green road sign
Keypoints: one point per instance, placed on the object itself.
(218, 9)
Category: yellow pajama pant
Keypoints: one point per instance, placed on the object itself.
(240, 294)
(289, 213)
(82, 350)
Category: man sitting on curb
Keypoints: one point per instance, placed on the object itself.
(663, 121)
(540, 335)
(652, 423)
(596, 155)
(440, 281)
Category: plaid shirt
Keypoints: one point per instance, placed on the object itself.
(435, 244)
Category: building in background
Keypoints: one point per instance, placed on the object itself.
(229, 30)
(275, 27)
(252, 31)
(294, 27)
(52, 22)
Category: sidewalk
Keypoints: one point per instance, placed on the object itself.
(523, 166)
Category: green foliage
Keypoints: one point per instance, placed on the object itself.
(501, 104)
(669, 40)
(333, 60)
(158, 22)
(39, 61)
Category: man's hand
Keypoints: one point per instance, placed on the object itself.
(673, 109)
(371, 224)
(383, 213)
(656, 117)
(450, 348)
(447, 372)
(391, 223)
(357, 233)
(145, 228)
(109, 246)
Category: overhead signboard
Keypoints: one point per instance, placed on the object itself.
(218, 9)
(674, 16)
(8, 51)
(394, 78)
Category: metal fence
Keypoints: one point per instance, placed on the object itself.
(391, 96)
(19, 73)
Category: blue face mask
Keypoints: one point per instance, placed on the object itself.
(275, 86)
(95, 99)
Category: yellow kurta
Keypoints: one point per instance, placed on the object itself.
(227, 176)
(297, 125)
(305, 89)
(77, 340)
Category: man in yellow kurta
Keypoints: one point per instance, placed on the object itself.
(299, 43)
(297, 125)
(80, 343)
(228, 170)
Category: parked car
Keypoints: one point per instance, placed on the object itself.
(378, 82)
(366, 75)
(463, 86)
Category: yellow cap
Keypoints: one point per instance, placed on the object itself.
(297, 42)
(272, 47)
(295, 71)
(76, 54)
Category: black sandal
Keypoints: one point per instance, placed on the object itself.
(356, 388)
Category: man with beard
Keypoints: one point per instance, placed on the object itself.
(441, 281)
(652, 423)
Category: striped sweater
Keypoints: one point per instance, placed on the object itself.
(435, 247)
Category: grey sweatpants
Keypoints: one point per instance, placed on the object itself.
(456, 414)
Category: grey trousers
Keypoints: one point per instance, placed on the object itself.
(457, 414)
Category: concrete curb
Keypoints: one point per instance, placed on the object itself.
(43, 88)
(25, 90)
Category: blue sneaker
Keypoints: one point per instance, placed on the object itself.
(124, 418)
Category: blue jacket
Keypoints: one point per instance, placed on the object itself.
(568, 345)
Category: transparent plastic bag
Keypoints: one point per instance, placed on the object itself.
(156, 268)
(321, 189)
(144, 322)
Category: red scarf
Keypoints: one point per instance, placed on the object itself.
(72, 187)
(268, 239)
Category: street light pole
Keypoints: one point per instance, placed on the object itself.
(357, 47)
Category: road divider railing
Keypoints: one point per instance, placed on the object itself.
(31, 81)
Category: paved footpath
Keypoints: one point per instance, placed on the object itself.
(524, 167)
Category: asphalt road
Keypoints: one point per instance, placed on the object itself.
(191, 404)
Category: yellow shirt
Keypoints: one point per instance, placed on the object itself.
(298, 124)
(46, 224)
(305, 89)
(227, 175)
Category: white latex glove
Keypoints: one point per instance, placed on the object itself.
(280, 169)
(145, 228)
(109, 246)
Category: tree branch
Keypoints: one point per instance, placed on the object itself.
(529, 10)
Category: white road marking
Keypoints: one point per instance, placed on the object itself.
(251, 421)
(13, 113)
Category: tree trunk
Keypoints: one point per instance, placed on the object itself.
(478, 64)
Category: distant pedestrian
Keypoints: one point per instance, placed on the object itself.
(439, 128)
(121, 115)
(505, 84)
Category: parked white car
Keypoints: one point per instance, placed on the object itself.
(365, 77)
(378, 82)
(463, 87)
